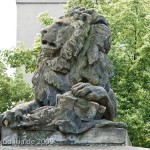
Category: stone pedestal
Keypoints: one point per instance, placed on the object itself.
(71, 148)
(95, 136)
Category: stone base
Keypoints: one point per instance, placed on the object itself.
(95, 136)
(71, 148)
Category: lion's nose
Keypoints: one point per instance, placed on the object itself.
(51, 44)
(44, 42)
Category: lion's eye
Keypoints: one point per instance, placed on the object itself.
(52, 44)
(44, 42)
(59, 23)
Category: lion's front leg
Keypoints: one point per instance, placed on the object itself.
(96, 94)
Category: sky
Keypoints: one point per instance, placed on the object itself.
(8, 24)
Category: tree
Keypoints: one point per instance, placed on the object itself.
(12, 89)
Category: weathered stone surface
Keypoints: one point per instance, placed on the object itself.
(72, 148)
(74, 103)
(72, 115)
(73, 58)
(95, 136)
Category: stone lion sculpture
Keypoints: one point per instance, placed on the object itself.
(71, 81)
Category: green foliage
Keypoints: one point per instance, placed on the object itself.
(44, 19)
(12, 90)
(130, 53)
(23, 56)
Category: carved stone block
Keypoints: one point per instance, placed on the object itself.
(95, 136)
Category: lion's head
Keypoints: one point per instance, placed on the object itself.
(80, 35)
(77, 45)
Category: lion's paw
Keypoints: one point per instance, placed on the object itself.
(11, 116)
(89, 92)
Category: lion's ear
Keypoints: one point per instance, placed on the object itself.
(93, 53)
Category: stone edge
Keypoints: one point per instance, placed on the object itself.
(41, 1)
